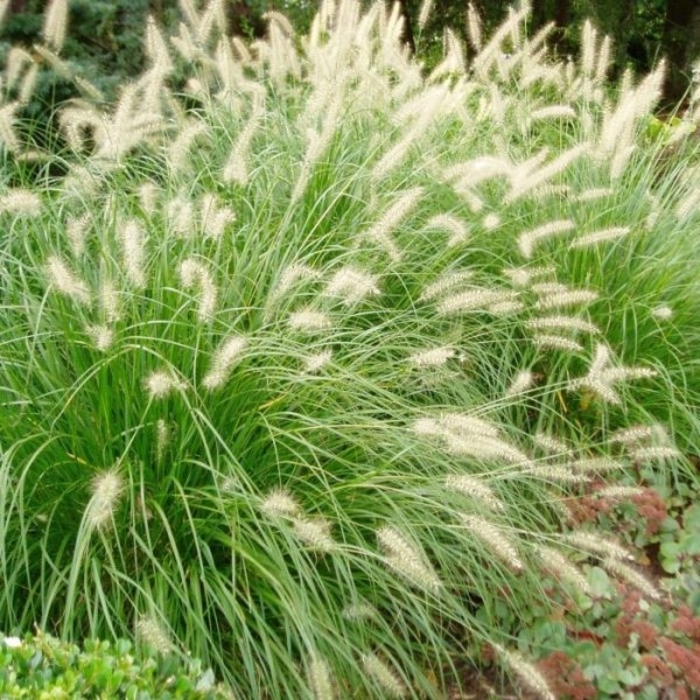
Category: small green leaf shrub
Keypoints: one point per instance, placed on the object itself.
(304, 356)
(42, 666)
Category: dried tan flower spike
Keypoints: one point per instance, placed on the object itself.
(495, 539)
(66, 281)
(55, 23)
(385, 677)
(381, 231)
(406, 559)
(279, 503)
(106, 491)
(522, 382)
(320, 679)
(195, 274)
(315, 533)
(526, 672)
(226, 355)
(473, 487)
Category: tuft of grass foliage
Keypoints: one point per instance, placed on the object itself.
(301, 365)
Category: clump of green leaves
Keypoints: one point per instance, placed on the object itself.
(43, 666)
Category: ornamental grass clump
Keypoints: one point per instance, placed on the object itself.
(304, 350)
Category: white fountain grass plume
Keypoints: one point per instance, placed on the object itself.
(603, 376)
(380, 232)
(66, 281)
(55, 24)
(196, 274)
(8, 136)
(320, 679)
(107, 489)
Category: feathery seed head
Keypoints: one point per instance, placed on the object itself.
(106, 491)
(66, 281)
(406, 559)
(148, 197)
(133, 252)
(547, 288)
(553, 112)
(529, 239)
(315, 363)
(554, 561)
(289, 277)
(424, 14)
(620, 493)
(491, 221)
(485, 448)
(548, 341)
(435, 357)
(150, 631)
(633, 435)
(556, 473)
(561, 322)
(597, 544)
(102, 337)
(503, 308)
(494, 539)
(596, 465)
(279, 503)
(474, 27)
(526, 673)
(160, 383)
(524, 276)
(20, 202)
(76, 228)
(162, 438)
(213, 218)
(662, 313)
(523, 182)
(381, 231)
(352, 284)
(445, 283)
(385, 677)
(156, 48)
(522, 382)
(320, 679)
(309, 321)
(109, 301)
(55, 23)
(571, 297)
(226, 355)
(454, 226)
(474, 300)
(654, 453)
(603, 390)
(8, 137)
(195, 274)
(603, 236)
(594, 193)
(632, 576)
(180, 214)
(358, 612)
(552, 446)
(466, 425)
(474, 488)
(315, 533)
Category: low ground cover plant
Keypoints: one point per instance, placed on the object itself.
(45, 667)
(301, 364)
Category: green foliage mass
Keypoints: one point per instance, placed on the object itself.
(43, 667)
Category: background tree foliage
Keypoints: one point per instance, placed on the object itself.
(105, 35)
